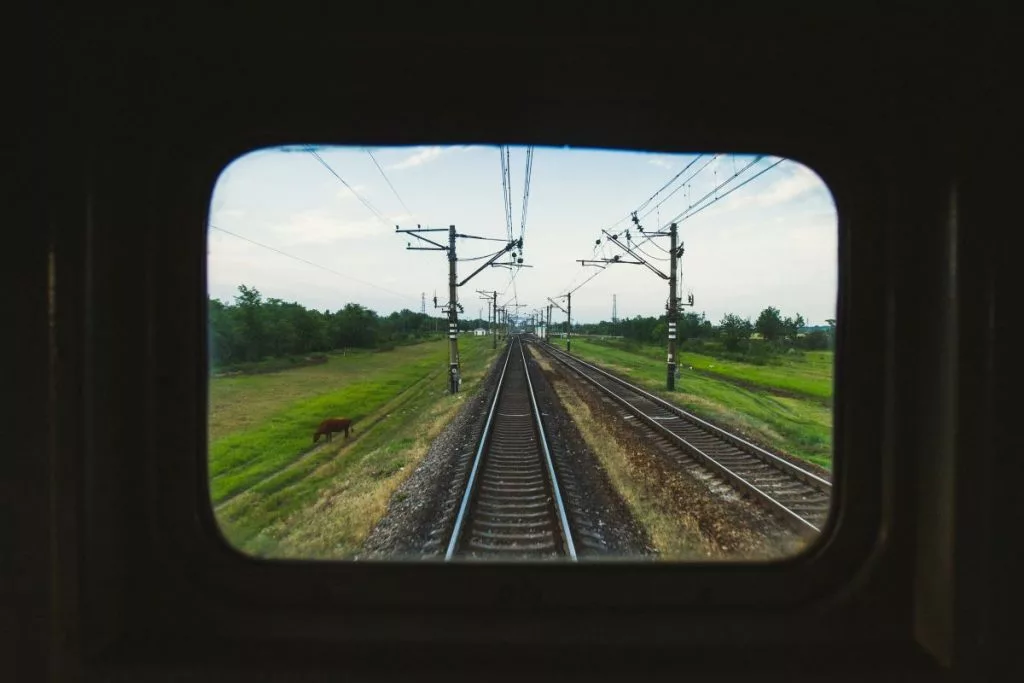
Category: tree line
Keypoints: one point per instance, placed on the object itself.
(252, 328)
(735, 333)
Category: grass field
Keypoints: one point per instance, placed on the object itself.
(276, 494)
(799, 426)
(808, 373)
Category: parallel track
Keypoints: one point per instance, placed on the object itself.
(795, 495)
(512, 507)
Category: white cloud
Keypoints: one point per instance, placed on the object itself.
(782, 255)
(314, 226)
(798, 182)
(345, 193)
(419, 158)
(658, 161)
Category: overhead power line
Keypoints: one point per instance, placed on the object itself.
(663, 187)
(511, 284)
(310, 263)
(506, 186)
(385, 176)
(680, 186)
(596, 273)
(526, 191)
(351, 189)
(481, 258)
(731, 190)
(696, 207)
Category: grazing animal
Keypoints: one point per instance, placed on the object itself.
(331, 425)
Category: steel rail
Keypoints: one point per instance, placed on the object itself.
(797, 520)
(502, 507)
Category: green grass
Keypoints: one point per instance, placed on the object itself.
(269, 484)
(242, 402)
(808, 373)
(810, 376)
(243, 458)
(796, 426)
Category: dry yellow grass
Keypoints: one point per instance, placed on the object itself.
(683, 518)
(675, 536)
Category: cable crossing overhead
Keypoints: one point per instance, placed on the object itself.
(310, 263)
(453, 307)
(365, 202)
(690, 210)
(387, 180)
(526, 191)
(681, 185)
(672, 307)
(733, 189)
(506, 186)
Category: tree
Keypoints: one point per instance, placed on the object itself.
(252, 328)
(693, 326)
(791, 328)
(816, 340)
(734, 331)
(252, 341)
(221, 338)
(770, 324)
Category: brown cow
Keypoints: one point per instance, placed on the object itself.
(331, 425)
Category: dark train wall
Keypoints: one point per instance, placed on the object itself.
(105, 573)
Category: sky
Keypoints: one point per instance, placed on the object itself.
(319, 229)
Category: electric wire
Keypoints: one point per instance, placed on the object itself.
(351, 189)
(310, 263)
(388, 181)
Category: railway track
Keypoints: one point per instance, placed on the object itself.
(512, 507)
(797, 496)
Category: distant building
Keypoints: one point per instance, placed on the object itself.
(480, 332)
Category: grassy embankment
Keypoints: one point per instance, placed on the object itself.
(785, 404)
(276, 494)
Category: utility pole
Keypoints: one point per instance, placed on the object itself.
(615, 312)
(673, 308)
(453, 317)
(492, 314)
(568, 313)
(568, 325)
(547, 327)
(515, 316)
(453, 306)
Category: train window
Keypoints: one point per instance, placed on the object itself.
(435, 353)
